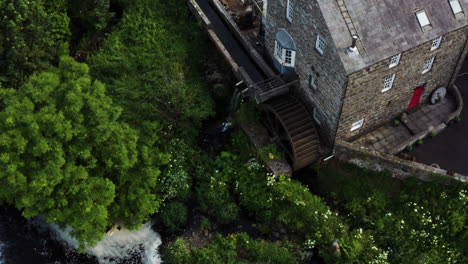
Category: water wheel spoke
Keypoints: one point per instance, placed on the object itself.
(291, 126)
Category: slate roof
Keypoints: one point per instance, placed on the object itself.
(386, 27)
(285, 40)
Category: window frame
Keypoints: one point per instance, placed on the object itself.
(280, 54)
(318, 43)
(423, 20)
(313, 82)
(455, 4)
(428, 65)
(394, 61)
(436, 43)
(388, 80)
(289, 10)
(357, 125)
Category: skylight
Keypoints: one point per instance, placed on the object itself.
(423, 19)
(456, 7)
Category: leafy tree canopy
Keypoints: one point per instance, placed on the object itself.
(65, 155)
(32, 35)
(149, 64)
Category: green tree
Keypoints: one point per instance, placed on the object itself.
(65, 155)
(32, 36)
(89, 15)
(150, 64)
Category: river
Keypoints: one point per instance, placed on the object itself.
(32, 242)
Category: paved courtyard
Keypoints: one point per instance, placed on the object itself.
(392, 138)
(449, 149)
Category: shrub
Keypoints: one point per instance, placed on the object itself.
(416, 222)
(247, 113)
(270, 152)
(409, 147)
(174, 216)
(177, 252)
(214, 192)
(239, 248)
(396, 122)
(420, 142)
(204, 223)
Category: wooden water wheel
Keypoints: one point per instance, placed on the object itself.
(292, 129)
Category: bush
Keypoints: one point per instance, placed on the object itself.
(416, 222)
(177, 252)
(174, 216)
(204, 224)
(239, 248)
(270, 152)
(215, 199)
(247, 113)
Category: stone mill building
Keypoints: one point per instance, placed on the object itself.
(362, 63)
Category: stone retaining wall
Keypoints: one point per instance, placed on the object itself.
(399, 168)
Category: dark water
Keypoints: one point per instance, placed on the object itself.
(22, 242)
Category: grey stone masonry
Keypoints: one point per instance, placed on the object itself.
(364, 98)
(307, 23)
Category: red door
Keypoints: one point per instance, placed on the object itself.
(416, 97)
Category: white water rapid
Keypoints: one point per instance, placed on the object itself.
(122, 245)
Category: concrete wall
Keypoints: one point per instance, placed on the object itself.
(364, 98)
(307, 23)
(399, 168)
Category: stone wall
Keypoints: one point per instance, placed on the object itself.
(307, 23)
(399, 168)
(364, 98)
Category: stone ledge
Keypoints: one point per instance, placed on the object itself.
(399, 168)
(238, 71)
(459, 101)
(257, 58)
(258, 137)
(431, 129)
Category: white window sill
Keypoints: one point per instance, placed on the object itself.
(386, 90)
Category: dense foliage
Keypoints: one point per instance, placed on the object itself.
(416, 222)
(235, 248)
(150, 65)
(33, 34)
(67, 157)
(89, 147)
(233, 183)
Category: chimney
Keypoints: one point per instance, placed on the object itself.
(353, 47)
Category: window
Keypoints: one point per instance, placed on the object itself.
(289, 10)
(357, 125)
(285, 56)
(315, 116)
(288, 57)
(436, 43)
(456, 7)
(313, 82)
(388, 82)
(395, 60)
(278, 51)
(320, 45)
(428, 65)
(423, 20)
